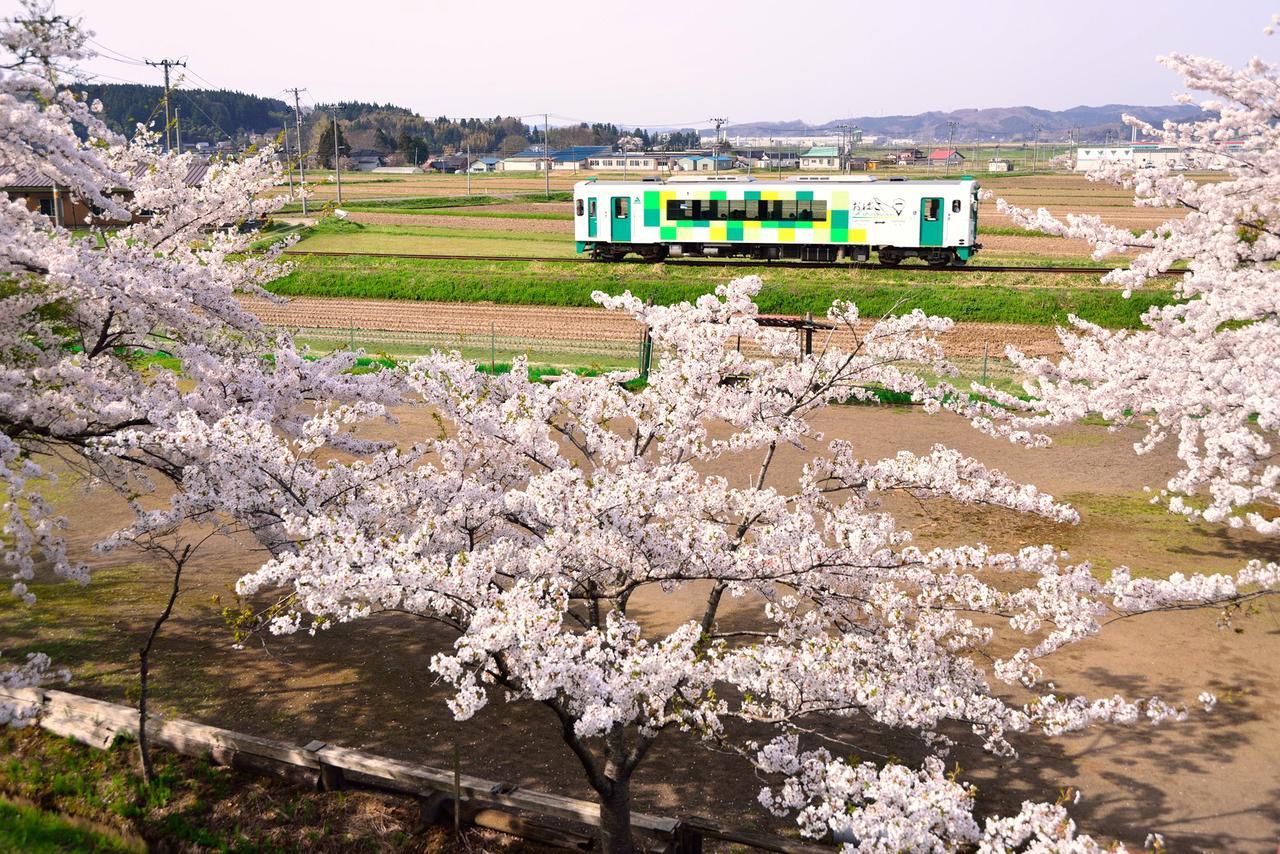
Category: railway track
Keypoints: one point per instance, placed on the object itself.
(680, 262)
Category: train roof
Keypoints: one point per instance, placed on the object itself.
(785, 183)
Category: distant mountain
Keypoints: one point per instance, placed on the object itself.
(978, 125)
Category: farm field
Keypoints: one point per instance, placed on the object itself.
(1205, 784)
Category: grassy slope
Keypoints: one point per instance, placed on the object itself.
(23, 828)
(995, 298)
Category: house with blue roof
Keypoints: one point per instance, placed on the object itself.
(485, 164)
(575, 157)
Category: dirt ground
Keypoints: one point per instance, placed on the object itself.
(1207, 784)
(485, 223)
(548, 324)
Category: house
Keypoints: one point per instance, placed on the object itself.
(366, 159)
(999, 164)
(41, 194)
(533, 159)
(575, 157)
(904, 156)
(856, 164)
(485, 164)
(700, 163)
(449, 163)
(947, 156)
(820, 157)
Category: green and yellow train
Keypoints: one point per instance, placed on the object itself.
(820, 218)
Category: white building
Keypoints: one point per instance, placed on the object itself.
(999, 164)
(635, 161)
(820, 157)
(1140, 155)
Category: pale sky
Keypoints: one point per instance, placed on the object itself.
(678, 63)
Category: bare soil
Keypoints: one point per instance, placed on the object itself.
(543, 324)
(514, 226)
(1207, 784)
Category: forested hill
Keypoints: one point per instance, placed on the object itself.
(208, 115)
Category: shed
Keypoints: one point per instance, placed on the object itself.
(999, 164)
(486, 164)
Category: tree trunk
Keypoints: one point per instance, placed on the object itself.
(615, 819)
(144, 670)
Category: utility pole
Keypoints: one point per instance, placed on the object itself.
(951, 135)
(302, 167)
(177, 126)
(468, 168)
(715, 145)
(288, 170)
(337, 167)
(546, 150)
(166, 64)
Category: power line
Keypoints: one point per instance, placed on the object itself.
(124, 57)
(191, 100)
(206, 80)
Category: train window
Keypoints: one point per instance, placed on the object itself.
(955, 206)
(708, 209)
(679, 210)
(621, 207)
(591, 208)
(931, 210)
(761, 211)
(811, 210)
(737, 209)
(780, 209)
(580, 207)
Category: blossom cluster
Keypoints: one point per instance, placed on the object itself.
(537, 511)
(155, 269)
(1204, 371)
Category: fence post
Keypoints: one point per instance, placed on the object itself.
(331, 779)
(685, 839)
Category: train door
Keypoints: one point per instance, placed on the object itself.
(591, 217)
(931, 221)
(620, 221)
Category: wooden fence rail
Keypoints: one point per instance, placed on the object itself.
(328, 767)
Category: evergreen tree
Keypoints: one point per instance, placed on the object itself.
(324, 147)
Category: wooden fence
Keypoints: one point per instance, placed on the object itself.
(327, 767)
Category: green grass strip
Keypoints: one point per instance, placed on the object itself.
(792, 292)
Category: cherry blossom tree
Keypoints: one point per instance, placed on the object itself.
(533, 519)
(1203, 372)
(85, 307)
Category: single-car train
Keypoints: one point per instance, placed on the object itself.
(821, 218)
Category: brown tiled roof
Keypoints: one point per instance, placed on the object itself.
(30, 179)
